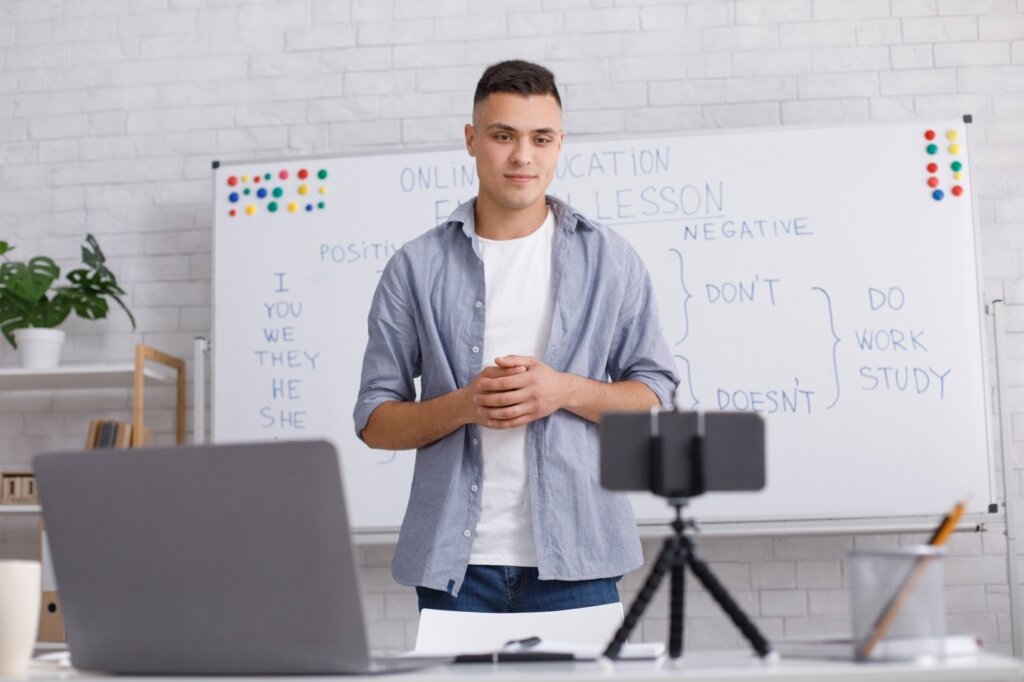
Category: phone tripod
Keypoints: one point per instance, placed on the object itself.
(678, 553)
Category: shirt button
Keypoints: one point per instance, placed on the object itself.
(476, 442)
(466, 533)
(474, 487)
(476, 349)
(478, 304)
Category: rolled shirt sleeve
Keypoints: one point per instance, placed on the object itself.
(392, 360)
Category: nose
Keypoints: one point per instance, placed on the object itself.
(521, 152)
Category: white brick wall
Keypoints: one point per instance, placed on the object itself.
(110, 113)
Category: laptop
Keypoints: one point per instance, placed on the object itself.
(220, 559)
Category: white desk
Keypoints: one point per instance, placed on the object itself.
(698, 667)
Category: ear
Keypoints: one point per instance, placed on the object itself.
(470, 138)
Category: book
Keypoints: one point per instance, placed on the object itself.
(122, 435)
(105, 437)
(93, 434)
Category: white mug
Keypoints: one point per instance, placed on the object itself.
(20, 595)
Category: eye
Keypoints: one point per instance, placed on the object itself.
(543, 140)
(502, 137)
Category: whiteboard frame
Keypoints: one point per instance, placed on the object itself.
(720, 527)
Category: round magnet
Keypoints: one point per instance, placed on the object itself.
(272, 207)
(303, 190)
(323, 189)
(251, 209)
(931, 149)
(932, 167)
(954, 149)
(278, 192)
(957, 190)
(303, 174)
(292, 207)
(232, 181)
(929, 134)
(233, 197)
(933, 181)
(283, 175)
(956, 166)
(322, 174)
(937, 195)
(952, 135)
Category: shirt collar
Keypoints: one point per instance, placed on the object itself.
(566, 218)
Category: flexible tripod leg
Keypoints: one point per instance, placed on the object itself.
(668, 557)
(725, 600)
(677, 595)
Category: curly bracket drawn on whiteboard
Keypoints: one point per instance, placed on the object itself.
(388, 459)
(686, 299)
(689, 384)
(835, 343)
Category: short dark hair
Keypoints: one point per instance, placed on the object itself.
(516, 76)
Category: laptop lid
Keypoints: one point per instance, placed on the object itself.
(207, 559)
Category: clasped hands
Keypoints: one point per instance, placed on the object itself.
(516, 390)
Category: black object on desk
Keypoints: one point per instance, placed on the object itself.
(516, 657)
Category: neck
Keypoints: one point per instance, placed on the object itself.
(499, 222)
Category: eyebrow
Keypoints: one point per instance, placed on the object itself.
(507, 127)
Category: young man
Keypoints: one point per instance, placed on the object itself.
(526, 322)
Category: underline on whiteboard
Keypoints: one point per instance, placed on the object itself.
(661, 220)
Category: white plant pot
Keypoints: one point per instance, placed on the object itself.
(39, 348)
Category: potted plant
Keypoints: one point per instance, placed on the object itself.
(33, 302)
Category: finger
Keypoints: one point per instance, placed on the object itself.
(500, 398)
(509, 382)
(495, 372)
(510, 423)
(508, 412)
(516, 361)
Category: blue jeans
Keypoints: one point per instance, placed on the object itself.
(516, 589)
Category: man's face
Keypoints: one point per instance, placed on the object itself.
(516, 140)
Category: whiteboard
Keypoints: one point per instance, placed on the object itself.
(809, 274)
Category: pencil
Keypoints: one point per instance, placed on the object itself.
(892, 608)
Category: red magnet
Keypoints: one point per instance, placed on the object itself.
(933, 181)
(256, 179)
(232, 181)
(932, 167)
(303, 174)
(929, 134)
(958, 190)
(283, 175)
(232, 213)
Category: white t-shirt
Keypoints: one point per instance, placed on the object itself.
(520, 304)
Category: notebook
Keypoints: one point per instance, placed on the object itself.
(220, 559)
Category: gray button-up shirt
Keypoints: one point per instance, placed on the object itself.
(427, 320)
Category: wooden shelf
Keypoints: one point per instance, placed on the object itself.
(150, 365)
(20, 508)
(79, 376)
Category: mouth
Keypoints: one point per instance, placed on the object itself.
(519, 179)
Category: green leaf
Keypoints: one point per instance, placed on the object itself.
(29, 281)
(5, 247)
